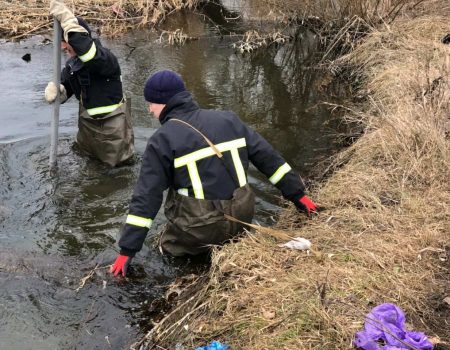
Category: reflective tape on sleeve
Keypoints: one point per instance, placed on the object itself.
(139, 221)
(90, 54)
(278, 175)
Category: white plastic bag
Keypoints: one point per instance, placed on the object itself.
(298, 243)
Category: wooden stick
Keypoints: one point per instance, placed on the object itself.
(271, 232)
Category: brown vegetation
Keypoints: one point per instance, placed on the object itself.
(372, 11)
(20, 18)
(385, 236)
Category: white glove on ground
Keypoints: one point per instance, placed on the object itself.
(68, 21)
(50, 93)
(298, 243)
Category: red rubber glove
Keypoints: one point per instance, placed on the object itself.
(306, 205)
(121, 265)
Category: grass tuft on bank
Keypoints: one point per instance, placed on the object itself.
(385, 236)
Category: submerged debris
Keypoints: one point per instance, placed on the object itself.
(176, 37)
(253, 40)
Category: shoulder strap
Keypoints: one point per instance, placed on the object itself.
(208, 141)
(214, 148)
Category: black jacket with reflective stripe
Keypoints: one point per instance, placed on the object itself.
(174, 145)
(97, 79)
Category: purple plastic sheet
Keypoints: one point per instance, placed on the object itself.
(384, 329)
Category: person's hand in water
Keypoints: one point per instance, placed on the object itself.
(121, 265)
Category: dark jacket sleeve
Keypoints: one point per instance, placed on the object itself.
(65, 81)
(268, 161)
(96, 58)
(154, 178)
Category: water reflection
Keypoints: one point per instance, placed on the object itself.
(273, 90)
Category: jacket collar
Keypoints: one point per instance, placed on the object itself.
(74, 64)
(178, 105)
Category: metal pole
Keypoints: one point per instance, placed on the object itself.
(57, 80)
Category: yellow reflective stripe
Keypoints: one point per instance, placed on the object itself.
(208, 152)
(104, 109)
(183, 192)
(139, 221)
(90, 54)
(239, 168)
(278, 175)
(196, 182)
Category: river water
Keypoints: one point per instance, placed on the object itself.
(55, 230)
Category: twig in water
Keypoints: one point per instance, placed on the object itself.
(89, 275)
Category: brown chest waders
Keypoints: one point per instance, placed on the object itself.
(196, 224)
(109, 138)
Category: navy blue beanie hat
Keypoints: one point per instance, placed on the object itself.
(162, 86)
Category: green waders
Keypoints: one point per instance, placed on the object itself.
(196, 224)
(109, 138)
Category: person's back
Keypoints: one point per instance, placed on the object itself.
(202, 157)
(191, 151)
(239, 145)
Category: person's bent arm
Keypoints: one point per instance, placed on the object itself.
(146, 200)
(267, 160)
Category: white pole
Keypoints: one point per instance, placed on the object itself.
(57, 80)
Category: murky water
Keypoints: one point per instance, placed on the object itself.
(54, 230)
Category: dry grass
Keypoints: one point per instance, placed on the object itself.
(330, 10)
(340, 24)
(20, 18)
(384, 238)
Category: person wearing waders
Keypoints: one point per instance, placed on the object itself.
(202, 157)
(92, 73)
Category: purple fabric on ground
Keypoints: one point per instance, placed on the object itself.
(384, 329)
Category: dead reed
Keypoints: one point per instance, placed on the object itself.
(383, 238)
(372, 11)
(340, 24)
(21, 18)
